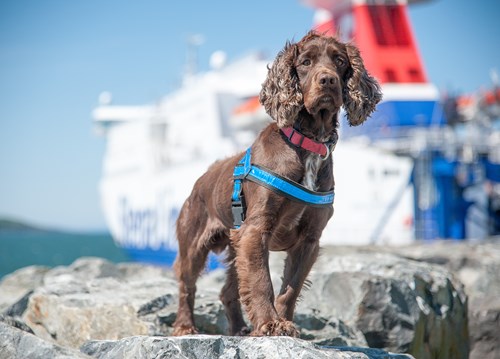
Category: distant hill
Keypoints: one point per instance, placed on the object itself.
(12, 224)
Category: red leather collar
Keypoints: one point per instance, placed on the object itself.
(298, 139)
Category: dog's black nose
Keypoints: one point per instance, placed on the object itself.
(327, 80)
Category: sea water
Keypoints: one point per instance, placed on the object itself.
(21, 248)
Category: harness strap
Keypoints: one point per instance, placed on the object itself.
(274, 182)
(238, 205)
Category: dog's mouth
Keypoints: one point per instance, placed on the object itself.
(326, 104)
(326, 100)
(330, 101)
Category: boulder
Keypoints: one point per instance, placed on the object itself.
(376, 300)
(484, 327)
(477, 265)
(398, 304)
(16, 285)
(224, 347)
(15, 322)
(95, 299)
(19, 344)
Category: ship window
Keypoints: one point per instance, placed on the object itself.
(389, 25)
(390, 75)
(415, 75)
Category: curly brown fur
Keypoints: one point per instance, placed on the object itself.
(281, 95)
(362, 92)
(306, 86)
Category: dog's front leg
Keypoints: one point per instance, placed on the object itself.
(255, 287)
(298, 263)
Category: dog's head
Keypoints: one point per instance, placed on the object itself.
(319, 74)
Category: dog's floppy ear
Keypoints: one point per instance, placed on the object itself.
(281, 95)
(361, 92)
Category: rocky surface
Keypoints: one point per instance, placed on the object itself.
(398, 304)
(18, 344)
(95, 299)
(224, 347)
(15, 287)
(407, 299)
(477, 265)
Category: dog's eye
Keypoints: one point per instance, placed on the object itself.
(306, 62)
(339, 61)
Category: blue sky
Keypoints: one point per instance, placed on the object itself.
(56, 56)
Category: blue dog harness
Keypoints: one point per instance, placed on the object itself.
(267, 178)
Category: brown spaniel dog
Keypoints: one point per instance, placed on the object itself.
(305, 87)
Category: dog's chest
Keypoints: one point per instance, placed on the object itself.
(311, 166)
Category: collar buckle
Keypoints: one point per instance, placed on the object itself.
(293, 132)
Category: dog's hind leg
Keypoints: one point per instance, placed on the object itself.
(230, 297)
(188, 271)
(190, 261)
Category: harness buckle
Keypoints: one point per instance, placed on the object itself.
(238, 210)
(239, 171)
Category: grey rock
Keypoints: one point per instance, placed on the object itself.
(327, 331)
(18, 308)
(409, 299)
(224, 347)
(379, 300)
(16, 323)
(477, 265)
(76, 304)
(95, 299)
(18, 344)
(16, 285)
(398, 304)
(484, 325)
(155, 305)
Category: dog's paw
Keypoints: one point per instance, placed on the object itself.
(183, 330)
(278, 327)
(243, 332)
